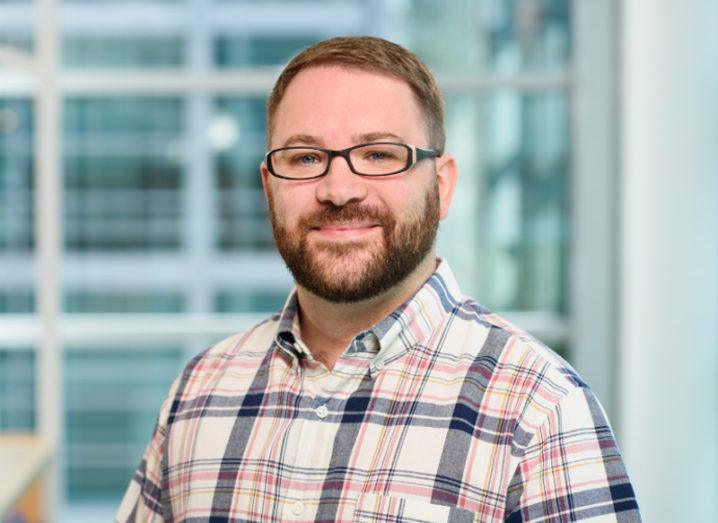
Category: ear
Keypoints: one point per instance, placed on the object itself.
(265, 179)
(446, 175)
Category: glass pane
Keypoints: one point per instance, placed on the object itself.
(17, 389)
(16, 24)
(17, 39)
(16, 207)
(123, 203)
(243, 221)
(112, 396)
(250, 301)
(516, 209)
(118, 301)
(16, 223)
(464, 35)
(118, 51)
(16, 299)
(248, 50)
(157, 221)
(123, 174)
(504, 36)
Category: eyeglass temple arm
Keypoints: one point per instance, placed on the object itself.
(421, 154)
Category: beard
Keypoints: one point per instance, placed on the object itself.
(355, 270)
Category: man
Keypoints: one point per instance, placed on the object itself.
(379, 392)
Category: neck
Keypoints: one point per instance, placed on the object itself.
(328, 327)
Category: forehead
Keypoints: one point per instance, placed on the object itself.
(333, 103)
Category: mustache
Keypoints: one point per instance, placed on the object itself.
(351, 212)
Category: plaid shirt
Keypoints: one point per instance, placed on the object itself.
(441, 412)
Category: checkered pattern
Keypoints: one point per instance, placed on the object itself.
(441, 412)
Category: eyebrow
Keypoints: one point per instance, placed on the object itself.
(308, 139)
(301, 139)
(377, 136)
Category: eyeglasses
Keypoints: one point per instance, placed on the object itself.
(367, 159)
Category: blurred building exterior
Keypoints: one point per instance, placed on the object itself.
(162, 208)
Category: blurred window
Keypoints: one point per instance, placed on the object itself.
(122, 301)
(503, 36)
(16, 219)
(123, 174)
(112, 396)
(116, 52)
(249, 301)
(17, 388)
(516, 212)
(17, 297)
(162, 201)
(252, 51)
(242, 213)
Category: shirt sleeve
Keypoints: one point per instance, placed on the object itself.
(572, 469)
(142, 500)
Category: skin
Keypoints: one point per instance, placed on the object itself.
(337, 107)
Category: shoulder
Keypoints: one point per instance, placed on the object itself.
(512, 350)
(522, 353)
(518, 377)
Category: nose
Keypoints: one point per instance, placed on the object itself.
(341, 186)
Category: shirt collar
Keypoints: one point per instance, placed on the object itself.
(287, 338)
(414, 322)
(411, 324)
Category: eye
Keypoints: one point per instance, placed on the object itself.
(306, 159)
(380, 155)
(377, 155)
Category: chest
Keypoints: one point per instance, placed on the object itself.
(349, 447)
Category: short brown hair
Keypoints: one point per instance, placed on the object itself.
(376, 55)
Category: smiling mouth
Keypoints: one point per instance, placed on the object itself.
(345, 230)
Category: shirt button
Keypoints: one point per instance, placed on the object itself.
(379, 364)
(297, 508)
(322, 412)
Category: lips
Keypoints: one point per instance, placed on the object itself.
(350, 222)
(341, 230)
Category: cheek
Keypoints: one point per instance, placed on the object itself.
(394, 193)
(289, 204)
(408, 199)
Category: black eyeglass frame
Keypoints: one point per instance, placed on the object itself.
(415, 156)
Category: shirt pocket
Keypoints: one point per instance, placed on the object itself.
(392, 509)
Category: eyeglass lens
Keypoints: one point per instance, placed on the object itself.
(370, 159)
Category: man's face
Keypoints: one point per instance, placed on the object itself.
(346, 237)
